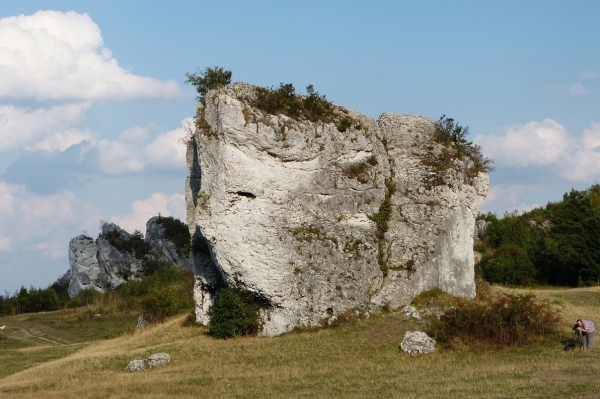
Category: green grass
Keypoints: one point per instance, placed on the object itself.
(33, 338)
(356, 360)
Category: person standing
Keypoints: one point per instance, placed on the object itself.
(588, 331)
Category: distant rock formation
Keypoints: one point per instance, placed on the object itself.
(321, 219)
(117, 256)
(164, 248)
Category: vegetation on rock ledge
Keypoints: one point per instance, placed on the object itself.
(456, 147)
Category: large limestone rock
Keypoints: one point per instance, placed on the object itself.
(281, 207)
(97, 264)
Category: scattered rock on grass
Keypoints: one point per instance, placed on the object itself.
(416, 343)
(154, 360)
(410, 312)
(158, 359)
(141, 323)
(136, 365)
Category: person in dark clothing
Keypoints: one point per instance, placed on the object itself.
(588, 332)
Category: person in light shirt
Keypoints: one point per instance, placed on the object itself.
(588, 331)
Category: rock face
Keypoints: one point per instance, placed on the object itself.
(295, 212)
(163, 248)
(417, 343)
(99, 265)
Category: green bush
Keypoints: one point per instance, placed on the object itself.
(208, 79)
(508, 265)
(284, 100)
(344, 124)
(160, 302)
(502, 320)
(134, 244)
(86, 297)
(456, 147)
(235, 312)
(178, 233)
(149, 266)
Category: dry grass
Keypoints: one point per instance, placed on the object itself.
(357, 360)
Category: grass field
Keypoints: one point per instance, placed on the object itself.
(357, 360)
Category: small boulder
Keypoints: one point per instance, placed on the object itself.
(136, 365)
(154, 360)
(417, 343)
(141, 323)
(158, 359)
(410, 312)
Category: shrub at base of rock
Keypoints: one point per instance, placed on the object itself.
(235, 312)
(154, 360)
(417, 343)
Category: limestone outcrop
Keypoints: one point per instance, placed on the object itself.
(117, 256)
(164, 248)
(98, 264)
(325, 219)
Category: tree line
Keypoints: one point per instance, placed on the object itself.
(553, 245)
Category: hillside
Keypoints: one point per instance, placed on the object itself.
(356, 360)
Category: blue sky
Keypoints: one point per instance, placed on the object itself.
(93, 102)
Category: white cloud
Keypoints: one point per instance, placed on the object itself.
(142, 210)
(42, 223)
(577, 89)
(503, 197)
(21, 126)
(56, 55)
(168, 149)
(119, 158)
(136, 133)
(61, 141)
(584, 163)
(532, 144)
(589, 75)
(547, 144)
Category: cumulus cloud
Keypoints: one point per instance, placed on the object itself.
(20, 127)
(61, 141)
(166, 151)
(142, 210)
(532, 144)
(584, 164)
(54, 55)
(73, 158)
(42, 223)
(547, 144)
(507, 197)
(136, 133)
(577, 89)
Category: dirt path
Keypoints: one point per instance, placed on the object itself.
(29, 335)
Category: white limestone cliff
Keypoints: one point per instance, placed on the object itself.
(284, 208)
(99, 265)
